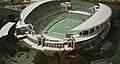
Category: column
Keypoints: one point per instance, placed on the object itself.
(73, 45)
(88, 32)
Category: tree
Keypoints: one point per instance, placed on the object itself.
(1, 22)
(39, 58)
(11, 17)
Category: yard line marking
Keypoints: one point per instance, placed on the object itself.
(58, 33)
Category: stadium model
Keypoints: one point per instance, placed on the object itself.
(57, 26)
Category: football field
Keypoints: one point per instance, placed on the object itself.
(64, 26)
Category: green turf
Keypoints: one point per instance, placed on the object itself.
(64, 26)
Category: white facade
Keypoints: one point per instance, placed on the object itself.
(99, 22)
(5, 29)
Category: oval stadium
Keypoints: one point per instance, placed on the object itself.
(58, 25)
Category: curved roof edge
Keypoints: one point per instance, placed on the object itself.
(5, 29)
(98, 18)
(30, 8)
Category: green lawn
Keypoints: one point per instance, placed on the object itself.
(64, 26)
(5, 12)
(4, 15)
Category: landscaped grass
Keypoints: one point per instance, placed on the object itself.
(4, 15)
(5, 12)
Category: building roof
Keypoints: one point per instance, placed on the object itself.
(107, 45)
(101, 61)
(30, 8)
(98, 18)
(5, 29)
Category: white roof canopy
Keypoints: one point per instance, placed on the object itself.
(5, 29)
(30, 8)
(98, 18)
